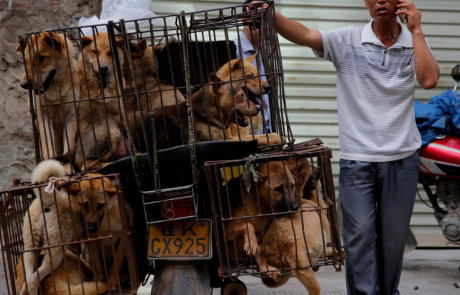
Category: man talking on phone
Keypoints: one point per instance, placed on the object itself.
(377, 66)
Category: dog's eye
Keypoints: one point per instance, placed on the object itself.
(41, 58)
(293, 187)
(94, 51)
(100, 206)
(279, 188)
(249, 75)
(85, 204)
(110, 53)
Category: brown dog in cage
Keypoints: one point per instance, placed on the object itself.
(254, 90)
(301, 238)
(274, 192)
(50, 221)
(98, 200)
(98, 87)
(206, 104)
(52, 72)
(145, 71)
(69, 274)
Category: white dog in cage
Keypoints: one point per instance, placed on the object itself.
(50, 222)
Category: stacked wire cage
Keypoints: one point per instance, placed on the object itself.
(148, 102)
(63, 239)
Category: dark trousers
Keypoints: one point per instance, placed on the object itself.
(377, 200)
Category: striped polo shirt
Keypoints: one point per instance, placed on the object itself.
(375, 93)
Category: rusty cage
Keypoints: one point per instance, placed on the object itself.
(148, 103)
(54, 220)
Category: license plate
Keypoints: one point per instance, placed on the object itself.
(180, 239)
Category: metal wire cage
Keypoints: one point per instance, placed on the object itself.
(96, 92)
(79, 238)
(275, 213)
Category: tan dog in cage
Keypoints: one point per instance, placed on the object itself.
(145, 71)
(69, 274)
(301, 238)
(50, 221)
(273, 193)
(98, 200)
(52, 73)
(239, 69)
(98, 80)
(206, 104)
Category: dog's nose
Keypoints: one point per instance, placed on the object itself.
(92, 227)
(25, 84)
(267, 88)
(294, 206)
(104, 70)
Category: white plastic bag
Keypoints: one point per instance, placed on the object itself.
(119, 9)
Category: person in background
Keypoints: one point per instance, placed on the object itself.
(248, 37)
(377, 65)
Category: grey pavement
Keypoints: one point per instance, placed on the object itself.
(425, 272)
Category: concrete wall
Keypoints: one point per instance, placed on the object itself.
(17, 157)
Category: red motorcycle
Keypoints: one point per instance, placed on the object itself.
(440, 167)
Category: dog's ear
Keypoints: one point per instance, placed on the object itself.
(213, 78)
(19, 49)
(316, 172)
(50, 39)
(251, 58)
(134, 48)
(158, 48)
(238, 64)
(119, 42)
(73, 189)
(111, 190)
(86, 41)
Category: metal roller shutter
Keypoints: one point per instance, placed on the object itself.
(310, 83)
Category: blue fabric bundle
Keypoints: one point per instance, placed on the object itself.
(441, 115)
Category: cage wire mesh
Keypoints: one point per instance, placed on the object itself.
(275, 213)
(154, 100)
(77, 239)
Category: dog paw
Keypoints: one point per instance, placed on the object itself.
(113, 282)
(124, 278)
(275, 138)
(274, 275)
(252, 250)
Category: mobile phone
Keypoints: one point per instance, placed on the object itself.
(402, 17)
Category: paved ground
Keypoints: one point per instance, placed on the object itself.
(425, 272)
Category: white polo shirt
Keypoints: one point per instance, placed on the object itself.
(375, 93)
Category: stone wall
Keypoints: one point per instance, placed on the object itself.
(17, 156)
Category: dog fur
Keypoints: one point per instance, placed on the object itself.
(99, 86)
(53, 121)
(287, 233)
(273, 195)
(100, 209)
(206, 106)
(57, 224)
(247, 78)
(66, 274)
(152, 92)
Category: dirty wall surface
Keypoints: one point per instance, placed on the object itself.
(17, 156)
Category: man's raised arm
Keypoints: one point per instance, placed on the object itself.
(426, 67)
(298, 33)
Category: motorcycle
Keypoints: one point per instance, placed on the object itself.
(440, 167)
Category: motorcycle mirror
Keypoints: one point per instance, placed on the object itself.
(456, 75)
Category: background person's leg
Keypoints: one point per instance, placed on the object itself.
(358, 188)
(398, 183)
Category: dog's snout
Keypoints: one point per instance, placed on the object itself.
(25, 84)
(267, 88)
(294, 206)
(104, 70)
(92, 227)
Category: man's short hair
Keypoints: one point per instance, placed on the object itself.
(246, 2)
